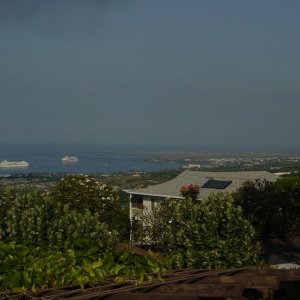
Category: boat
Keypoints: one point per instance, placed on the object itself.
(14, 164)
(69, 159)
(191, 166)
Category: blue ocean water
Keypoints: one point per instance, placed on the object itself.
(92, 159)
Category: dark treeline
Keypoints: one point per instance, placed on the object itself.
(272, 207)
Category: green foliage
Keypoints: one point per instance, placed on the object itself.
(129, 266)
(256, 199)
(25, 268)
(151, 229)
(208, 234)
(34, 218)
(272, 208)
(84, 192)
(287, 195)
(81, 192)
(49, 242)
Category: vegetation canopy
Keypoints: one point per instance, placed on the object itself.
(272, 207)
(82, 192)
(209, 234)
(49, 240)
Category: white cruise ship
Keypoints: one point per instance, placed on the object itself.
(69, 159)
(192, 166)
(14, 164)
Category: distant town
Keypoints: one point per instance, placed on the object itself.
(278, 163)
(273, 162)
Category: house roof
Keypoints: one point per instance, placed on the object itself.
(171, 189)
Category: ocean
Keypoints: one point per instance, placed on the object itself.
(92, 159)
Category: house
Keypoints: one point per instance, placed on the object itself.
(209, 182)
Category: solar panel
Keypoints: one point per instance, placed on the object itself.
(216, 184)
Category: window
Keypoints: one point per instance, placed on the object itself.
(137, 202)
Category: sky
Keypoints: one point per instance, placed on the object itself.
(190, 73)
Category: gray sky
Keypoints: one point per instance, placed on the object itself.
(221, 73)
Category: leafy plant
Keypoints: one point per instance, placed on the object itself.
(272, 208)
(36, 219)
(209, 234)
(49, 242)
(82, 192)
(28, 268)
(24, 268)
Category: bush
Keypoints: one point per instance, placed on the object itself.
(208, 234)
(84, 192)
(34, 218)
(46, 243)
(272, 208)
(81, 192)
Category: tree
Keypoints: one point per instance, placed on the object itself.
(272, 208)
(287, 195)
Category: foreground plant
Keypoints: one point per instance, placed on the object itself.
(24, 268)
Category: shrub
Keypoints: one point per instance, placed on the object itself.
(81, 192)
(151, 229)
(36, 219)
(84, 192)
(272, 208)
(208, 234)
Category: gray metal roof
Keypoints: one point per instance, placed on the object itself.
(172, 188)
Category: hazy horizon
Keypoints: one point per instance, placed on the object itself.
(131, 148)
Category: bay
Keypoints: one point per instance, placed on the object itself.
(92, 159)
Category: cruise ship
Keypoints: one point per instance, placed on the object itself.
(69, 159)
(14, 164)
(191, 166)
